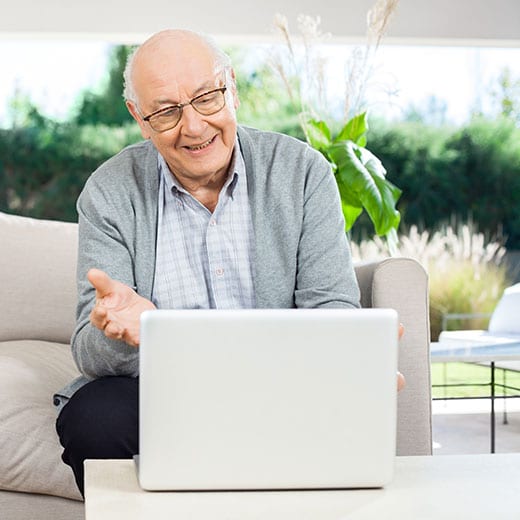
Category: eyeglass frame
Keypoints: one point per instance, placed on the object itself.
(181, 106)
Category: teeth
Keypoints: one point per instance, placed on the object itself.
(200, 146)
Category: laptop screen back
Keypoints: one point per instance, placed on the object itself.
(267, 399)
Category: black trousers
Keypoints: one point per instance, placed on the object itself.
(101, 421)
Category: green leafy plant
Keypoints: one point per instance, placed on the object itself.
(360, 175)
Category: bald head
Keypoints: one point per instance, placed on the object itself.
(172, 48)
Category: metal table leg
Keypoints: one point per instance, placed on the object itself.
(492, 407)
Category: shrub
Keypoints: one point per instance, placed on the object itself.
(472, 172)
(44, 166)
(466, 273)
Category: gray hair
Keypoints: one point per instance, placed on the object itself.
(222, 63)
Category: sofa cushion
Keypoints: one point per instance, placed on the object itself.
(30, 453)
(37, 277)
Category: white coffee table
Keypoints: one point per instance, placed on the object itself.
(440, 487)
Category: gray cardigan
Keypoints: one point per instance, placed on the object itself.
(301, 259)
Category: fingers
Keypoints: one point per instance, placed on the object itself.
(103, 284)
(113, 331)
(131, 339)
(102, 318)
(401, 381)
(99, 317)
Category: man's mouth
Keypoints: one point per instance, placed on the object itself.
(201, 146)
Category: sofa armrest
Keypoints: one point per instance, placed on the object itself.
(402, 284)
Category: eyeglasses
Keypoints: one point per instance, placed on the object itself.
(206, 104)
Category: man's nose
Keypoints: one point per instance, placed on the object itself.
(192, 122)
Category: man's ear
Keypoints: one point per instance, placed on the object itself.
(234, 92)
(145, 131)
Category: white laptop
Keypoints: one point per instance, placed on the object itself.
(267, 399)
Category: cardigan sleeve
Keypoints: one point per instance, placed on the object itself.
(325, 274)
(102, 245)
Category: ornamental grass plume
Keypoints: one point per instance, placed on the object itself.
(309, 69)
(378, 19)
(362, 62)
(467, 273)
(303, 74)
(360, 175)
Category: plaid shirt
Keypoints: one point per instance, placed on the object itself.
(204, 259)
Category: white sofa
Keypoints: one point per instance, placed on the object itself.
(37, 307)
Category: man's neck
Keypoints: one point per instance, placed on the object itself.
(206, 190)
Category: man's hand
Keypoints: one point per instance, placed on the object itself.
(117, 309)
(401, 382)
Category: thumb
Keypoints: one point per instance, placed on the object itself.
(103, 284)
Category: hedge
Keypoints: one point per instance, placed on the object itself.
(470, 173)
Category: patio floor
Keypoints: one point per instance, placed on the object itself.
(461, 427)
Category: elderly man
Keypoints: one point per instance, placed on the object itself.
(202, 214)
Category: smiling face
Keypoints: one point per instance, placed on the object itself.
(172, 68)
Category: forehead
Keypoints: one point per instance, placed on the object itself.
(170, 70)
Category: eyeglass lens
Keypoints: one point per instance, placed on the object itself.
(205, 104)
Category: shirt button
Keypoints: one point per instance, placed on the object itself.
(219, 271)
(212, 222)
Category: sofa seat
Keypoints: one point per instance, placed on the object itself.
(32, 371)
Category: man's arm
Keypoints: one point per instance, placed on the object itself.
(325, 275)
(105, 244)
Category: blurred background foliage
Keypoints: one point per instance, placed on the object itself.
(465, 268)
(469, 173)
(106, 107)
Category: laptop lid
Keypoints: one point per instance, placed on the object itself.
(267, 399)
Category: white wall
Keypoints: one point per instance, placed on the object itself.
(488, 22)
